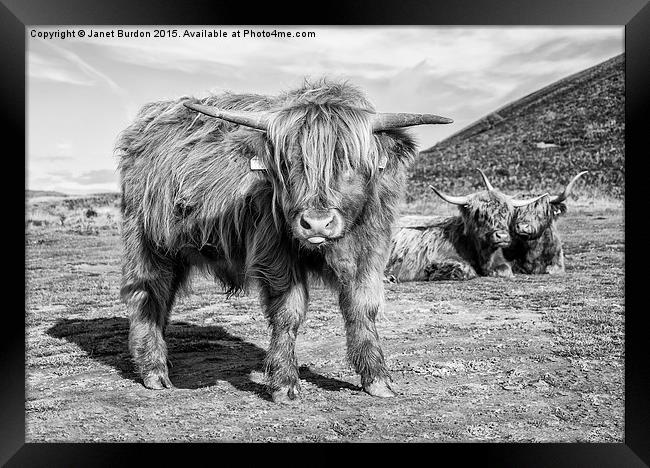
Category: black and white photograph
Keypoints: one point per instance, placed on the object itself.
(325, 234)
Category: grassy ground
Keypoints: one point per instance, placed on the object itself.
(534, 358)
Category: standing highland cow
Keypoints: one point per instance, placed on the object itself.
(321, 205)
(460, 247)
(536, 246)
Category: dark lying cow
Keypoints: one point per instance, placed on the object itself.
(459, 247)
(322, 205)
(536, 245)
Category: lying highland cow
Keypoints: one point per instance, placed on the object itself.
(459, 247)
(271, 189)
(536, 246)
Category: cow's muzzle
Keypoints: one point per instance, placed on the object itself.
(500, 238)
(318, 226)
(523, 229)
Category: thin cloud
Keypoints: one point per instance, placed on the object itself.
(47, 69)
(100, 176)
(51, 159)
(93, 75)
(83, 66)
(62, 151)
(373, 53)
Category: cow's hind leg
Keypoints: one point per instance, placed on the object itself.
(449, 270)
(285, 311)
(360, 302)
(149, 302)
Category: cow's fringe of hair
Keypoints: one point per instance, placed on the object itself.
(486, 208)
(315, 131)
(540, 214)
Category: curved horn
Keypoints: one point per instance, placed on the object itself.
(386, 121)
(487, 183)
(567, 190)
(258, 120)
(519, 203)
(449, 198)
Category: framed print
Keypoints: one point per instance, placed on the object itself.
(390, 225)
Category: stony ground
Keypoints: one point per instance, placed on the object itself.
(534, 358)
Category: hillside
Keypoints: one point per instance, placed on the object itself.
(540, 141)
(53, 199)
(43, 193)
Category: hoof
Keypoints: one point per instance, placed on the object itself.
(286, 395)
(157, 381)
(502, 273)
(555, 270)
(379, 388)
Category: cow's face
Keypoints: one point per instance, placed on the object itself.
(326, 173)
(319, 215)
(533, 216)
(529, 222)
(486, 217)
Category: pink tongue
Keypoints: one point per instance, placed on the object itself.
(316, 240)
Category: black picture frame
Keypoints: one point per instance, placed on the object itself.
(16, 15)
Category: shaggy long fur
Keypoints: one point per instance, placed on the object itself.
(455, 248)
(542, 251)
(190, 200)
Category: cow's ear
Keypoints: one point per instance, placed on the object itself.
(465, 215)
(558, 209)
(257, 149)
(399, 147)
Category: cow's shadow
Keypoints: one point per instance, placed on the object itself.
(200, 356)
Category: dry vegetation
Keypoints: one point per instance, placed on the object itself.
(78, 214)
(535, 358)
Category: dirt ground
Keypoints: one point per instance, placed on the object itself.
(529, 359)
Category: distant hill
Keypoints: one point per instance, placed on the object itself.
(540, 141)
(51, 199)
(43, 193)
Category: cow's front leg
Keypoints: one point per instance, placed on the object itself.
(285, 311)
(504, 270)
(360, 302)
(497, 265)
(556, 266)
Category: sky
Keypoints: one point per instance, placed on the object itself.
(81, 92)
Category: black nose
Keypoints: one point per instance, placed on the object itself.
(316, 222)
(499, 237)
(524, 228)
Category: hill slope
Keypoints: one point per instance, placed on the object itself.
(540, 141)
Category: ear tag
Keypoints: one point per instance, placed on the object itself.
(382, 161)
(256, 164)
